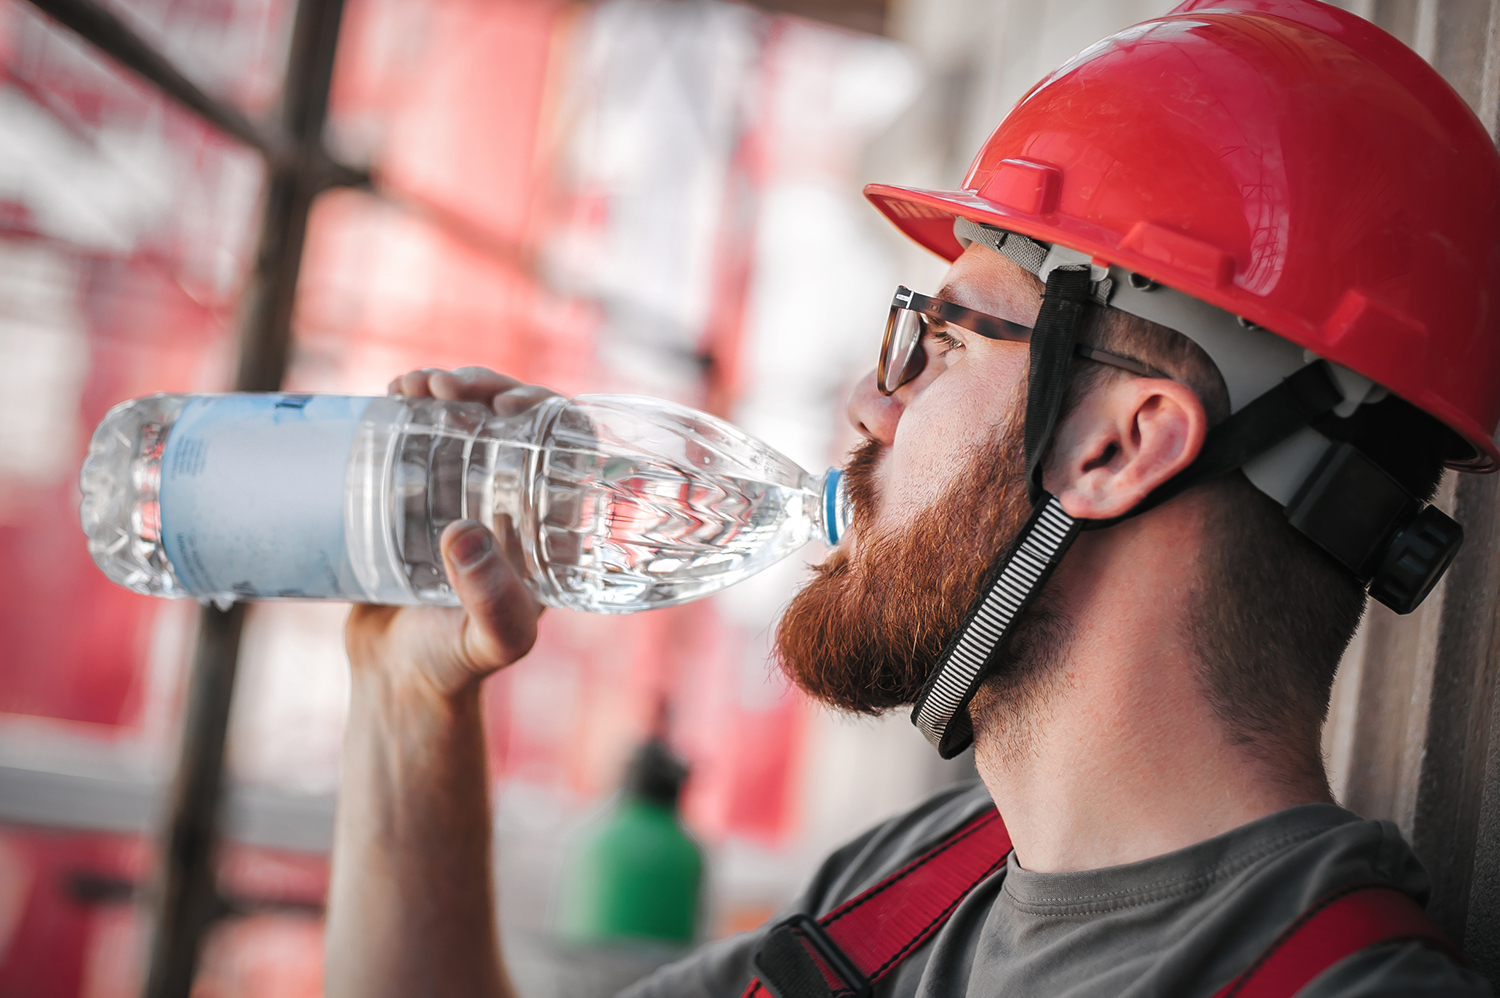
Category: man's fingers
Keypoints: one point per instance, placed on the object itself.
(518, 399)
(500, 614)
(413, 384)
(507, 396)
(469, 384)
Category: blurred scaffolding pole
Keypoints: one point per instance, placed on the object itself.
(186, 901)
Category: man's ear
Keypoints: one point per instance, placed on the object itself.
(1120, 442)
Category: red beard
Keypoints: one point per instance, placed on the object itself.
(868, 630)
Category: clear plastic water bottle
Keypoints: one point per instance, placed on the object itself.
(620, 503)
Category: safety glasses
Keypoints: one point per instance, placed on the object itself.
(902, 357)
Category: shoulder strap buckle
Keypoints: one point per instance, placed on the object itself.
(854, 946)
(788, 970)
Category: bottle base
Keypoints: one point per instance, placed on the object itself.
(121, 510)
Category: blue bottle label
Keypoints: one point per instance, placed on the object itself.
(252, 495)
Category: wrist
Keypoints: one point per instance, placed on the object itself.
(410, 699)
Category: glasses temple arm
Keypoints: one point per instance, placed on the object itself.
(1124, 363)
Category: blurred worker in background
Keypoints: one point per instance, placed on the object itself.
(1220, 311)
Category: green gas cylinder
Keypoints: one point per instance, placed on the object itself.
(636, 875)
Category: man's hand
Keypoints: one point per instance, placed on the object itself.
(410, 906)
(441, 651)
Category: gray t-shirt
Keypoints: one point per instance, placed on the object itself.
(1179, 925)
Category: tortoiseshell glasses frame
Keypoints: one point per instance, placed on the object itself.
(902, 358)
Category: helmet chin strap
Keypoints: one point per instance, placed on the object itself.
(1018, 575)
(1058, 325)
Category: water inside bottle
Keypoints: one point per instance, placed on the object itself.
(649, 535)
(645, 503)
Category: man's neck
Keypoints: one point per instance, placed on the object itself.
(1115, 755)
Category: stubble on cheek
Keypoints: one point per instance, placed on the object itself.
(936, 451)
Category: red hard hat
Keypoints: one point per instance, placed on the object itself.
(1282, 160)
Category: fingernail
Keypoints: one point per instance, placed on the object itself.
(470, 546)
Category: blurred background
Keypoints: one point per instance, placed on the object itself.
(655, 196)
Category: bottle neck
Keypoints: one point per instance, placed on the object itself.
(832, 511)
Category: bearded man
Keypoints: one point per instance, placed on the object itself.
(1121, 370)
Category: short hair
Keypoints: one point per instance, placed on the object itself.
(1271, 611)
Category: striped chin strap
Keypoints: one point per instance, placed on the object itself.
(942, 709)
(1018, 575)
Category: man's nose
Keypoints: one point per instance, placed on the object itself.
(873, 414)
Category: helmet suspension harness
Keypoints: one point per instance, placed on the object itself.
(1396, 545)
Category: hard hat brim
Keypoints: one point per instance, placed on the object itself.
(927, 216)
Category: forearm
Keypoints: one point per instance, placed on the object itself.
(411, 907)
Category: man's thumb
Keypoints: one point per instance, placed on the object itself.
(500, 614)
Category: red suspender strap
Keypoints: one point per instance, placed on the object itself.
(849, 949)
(845, 952)
(1340, 925)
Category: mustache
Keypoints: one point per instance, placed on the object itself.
(859, 476)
